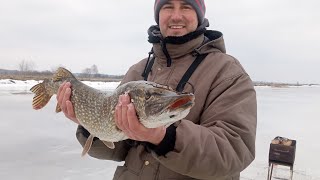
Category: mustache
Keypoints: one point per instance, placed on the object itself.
(177, 22)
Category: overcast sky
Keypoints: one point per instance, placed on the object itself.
(275, 40)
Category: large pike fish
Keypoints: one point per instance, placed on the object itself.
(156, 105)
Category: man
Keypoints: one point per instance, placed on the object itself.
(216, 140)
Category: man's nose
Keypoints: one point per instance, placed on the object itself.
(176, 14)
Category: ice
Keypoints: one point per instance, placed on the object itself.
(41, 144)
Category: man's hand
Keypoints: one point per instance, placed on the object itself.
(63, 98)
(127, 120)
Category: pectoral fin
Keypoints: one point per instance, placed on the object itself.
(109, 144)
(87, 146)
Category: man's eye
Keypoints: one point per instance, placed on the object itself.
(187, 7)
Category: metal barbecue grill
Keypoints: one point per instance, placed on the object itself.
(282, 152)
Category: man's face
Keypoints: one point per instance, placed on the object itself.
(177, 18)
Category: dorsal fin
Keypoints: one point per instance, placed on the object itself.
(61, 74)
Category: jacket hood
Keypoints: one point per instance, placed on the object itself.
(200, 41)
(213, 41)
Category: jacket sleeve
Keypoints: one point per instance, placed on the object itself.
(98, 149)
(223, 143)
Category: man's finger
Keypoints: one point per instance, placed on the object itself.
(60, 93)
(133, 121)
(66, 97)
(71, 113)
(124, 118)
(117, 116)
(60, 89)
(125, 99)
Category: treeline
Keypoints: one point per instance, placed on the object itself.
(40, 75)
(27, 70)
(280, 84)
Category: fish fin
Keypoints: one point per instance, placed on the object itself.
(87, 146)
(109, 144)
(61, 74)
(42, 96)
(58, 108)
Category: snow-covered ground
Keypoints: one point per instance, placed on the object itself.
(15, 86)
(39, 145)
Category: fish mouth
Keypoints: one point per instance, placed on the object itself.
(173, 108)
(184, 102)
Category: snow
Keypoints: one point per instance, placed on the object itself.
(17, 86)
(41, 144)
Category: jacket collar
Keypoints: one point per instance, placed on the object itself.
(170, 48)
(177, 50)
(200, 41)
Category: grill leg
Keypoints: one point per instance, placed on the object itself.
(291, 172)
(268, 172)
(270, 168)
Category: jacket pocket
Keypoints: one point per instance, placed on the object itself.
(123, 172)
(119, 172)
(184, 178)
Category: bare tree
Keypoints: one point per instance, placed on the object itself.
(22, 65)
(90, 72)
(94, 69)
(26, 65)
(87, 72)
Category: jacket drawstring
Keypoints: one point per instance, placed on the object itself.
(149, 58)
(166, 53)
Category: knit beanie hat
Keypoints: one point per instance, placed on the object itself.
(198, 5)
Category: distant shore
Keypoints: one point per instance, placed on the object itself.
(37, 78)
(23, 76)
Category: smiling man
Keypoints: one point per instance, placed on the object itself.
(176, 18)
(216, 141)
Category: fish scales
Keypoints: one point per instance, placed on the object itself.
(156, 105)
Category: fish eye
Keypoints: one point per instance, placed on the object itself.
(158, 93)
(148, 96)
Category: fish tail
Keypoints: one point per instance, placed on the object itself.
(44, 91)
(42, 95)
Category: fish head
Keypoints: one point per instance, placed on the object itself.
(157, 105)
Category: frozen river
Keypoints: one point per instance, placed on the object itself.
(39, 145)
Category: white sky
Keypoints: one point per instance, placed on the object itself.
(275, 40)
